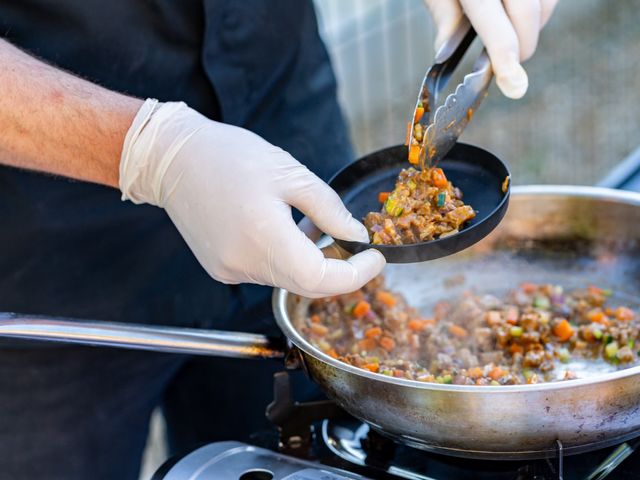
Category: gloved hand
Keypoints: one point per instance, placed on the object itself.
(508, 29)
(229, 193)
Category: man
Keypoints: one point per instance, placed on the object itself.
(72, 108)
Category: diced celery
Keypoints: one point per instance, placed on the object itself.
(541, 301)
(515, 331)
(564, 355)
(447, 378)
(597, 333)
(494, 383)
(392, 208)
(611, 349)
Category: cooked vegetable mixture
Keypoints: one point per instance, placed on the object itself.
(423, 206)
(525, 337)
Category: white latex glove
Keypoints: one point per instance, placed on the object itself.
(229, 193)
(508, 29)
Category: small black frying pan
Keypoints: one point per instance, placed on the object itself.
(478, 173)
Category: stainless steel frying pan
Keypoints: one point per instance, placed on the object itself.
(574, 236)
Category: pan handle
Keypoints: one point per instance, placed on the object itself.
(190, 341)
(141, 337)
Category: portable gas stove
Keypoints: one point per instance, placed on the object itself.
(318, 441)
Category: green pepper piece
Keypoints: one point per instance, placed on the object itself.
(447, 378)
(441, 199)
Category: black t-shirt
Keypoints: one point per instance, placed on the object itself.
(74, 249)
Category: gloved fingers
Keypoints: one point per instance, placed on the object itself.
(498, 35)
(322, 205)
(446, 15)
(525, 17)
(299, 266)
(307, 227)
(547, 7)
(345, 276)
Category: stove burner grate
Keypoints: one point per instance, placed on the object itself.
(357, 444)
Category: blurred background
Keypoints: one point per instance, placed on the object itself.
(579, 118)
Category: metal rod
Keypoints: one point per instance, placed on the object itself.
(140, 337)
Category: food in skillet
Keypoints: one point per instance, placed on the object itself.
(423, 206)
(529, 336)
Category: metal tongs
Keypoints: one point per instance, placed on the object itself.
(434, 131)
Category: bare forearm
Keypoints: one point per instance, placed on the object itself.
(54, 122)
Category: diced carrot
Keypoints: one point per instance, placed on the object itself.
(373, 332)
(515, 348)
(382, 196)
(475, 372)
(624, 313)
(458, 331)
(315, 318)
(438, 178)
(418, 114)
(593, 290)
(512, 315)
(367, 344)
(407, 139)
(332, 353)
(414, 154)
(372, 367)
(596, 315)
(419, 324)
(361, 309)
(563, 330)
(387, 298)
(319, 329)
(496, 373)
(398, 373)
(387, 343)
(528, 287)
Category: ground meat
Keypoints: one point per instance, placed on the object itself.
(475, 340)
(423, 206)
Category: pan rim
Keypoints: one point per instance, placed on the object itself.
(279, 301)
